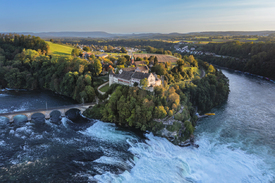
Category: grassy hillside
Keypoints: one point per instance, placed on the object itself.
(58, 49)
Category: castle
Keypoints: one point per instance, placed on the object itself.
(130, 76)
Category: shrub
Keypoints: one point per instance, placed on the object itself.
(175, 127)
(93, 112)
(170, 113)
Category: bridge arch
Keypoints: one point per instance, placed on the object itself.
(72, 113)
(38, 117)
(38, 114)
(4, 121)
(20, 119)
(55, 116)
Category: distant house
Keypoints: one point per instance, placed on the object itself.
(104, 55)
(86, 55)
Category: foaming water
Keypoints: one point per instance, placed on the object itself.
(38, 149)
(107, 132)
(160, 161)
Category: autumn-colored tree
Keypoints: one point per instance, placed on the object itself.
(144, 83)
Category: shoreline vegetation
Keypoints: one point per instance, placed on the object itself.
(169, 111)
(254, 58)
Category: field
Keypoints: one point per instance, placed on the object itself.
(220, 40)
(203, 42)
(252, 39)
(112, 54)
(161, 58)
(105, 78)
(249, 40)
(170, 41)
(58, 49)
(202, 37)
(104, 88)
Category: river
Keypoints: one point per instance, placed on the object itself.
(236, 145)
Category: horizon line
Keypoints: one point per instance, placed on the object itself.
(131, 33)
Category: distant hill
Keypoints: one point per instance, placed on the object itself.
(174, 35)
(95, 34)
(234, 33)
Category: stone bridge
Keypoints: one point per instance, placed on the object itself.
(47, 112)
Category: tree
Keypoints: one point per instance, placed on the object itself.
(144, 83)
(189, 129)
(151, 58)
(123, 50)
(86, 48)
(75, 52)
(128, 59)
(90, 93)
(156, 61)
(97, 67)
(170, 113)
(159, 69)
(92, 56)
(211, 69)
(177, 55)
(160, 112)
(105, 48)
(121, 61)
(120, 67)
(110, 48)
(138, 59)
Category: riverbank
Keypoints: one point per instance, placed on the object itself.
(254, 66)
(246, 73)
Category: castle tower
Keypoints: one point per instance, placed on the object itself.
(111, 77)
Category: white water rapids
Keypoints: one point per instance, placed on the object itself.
(160, 161)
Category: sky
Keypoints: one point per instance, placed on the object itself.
(131, 16)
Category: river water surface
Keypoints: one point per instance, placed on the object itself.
(236, 145)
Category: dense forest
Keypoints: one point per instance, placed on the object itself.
(34, 69)
(255, 58)
(11, 44)
(134, 107)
